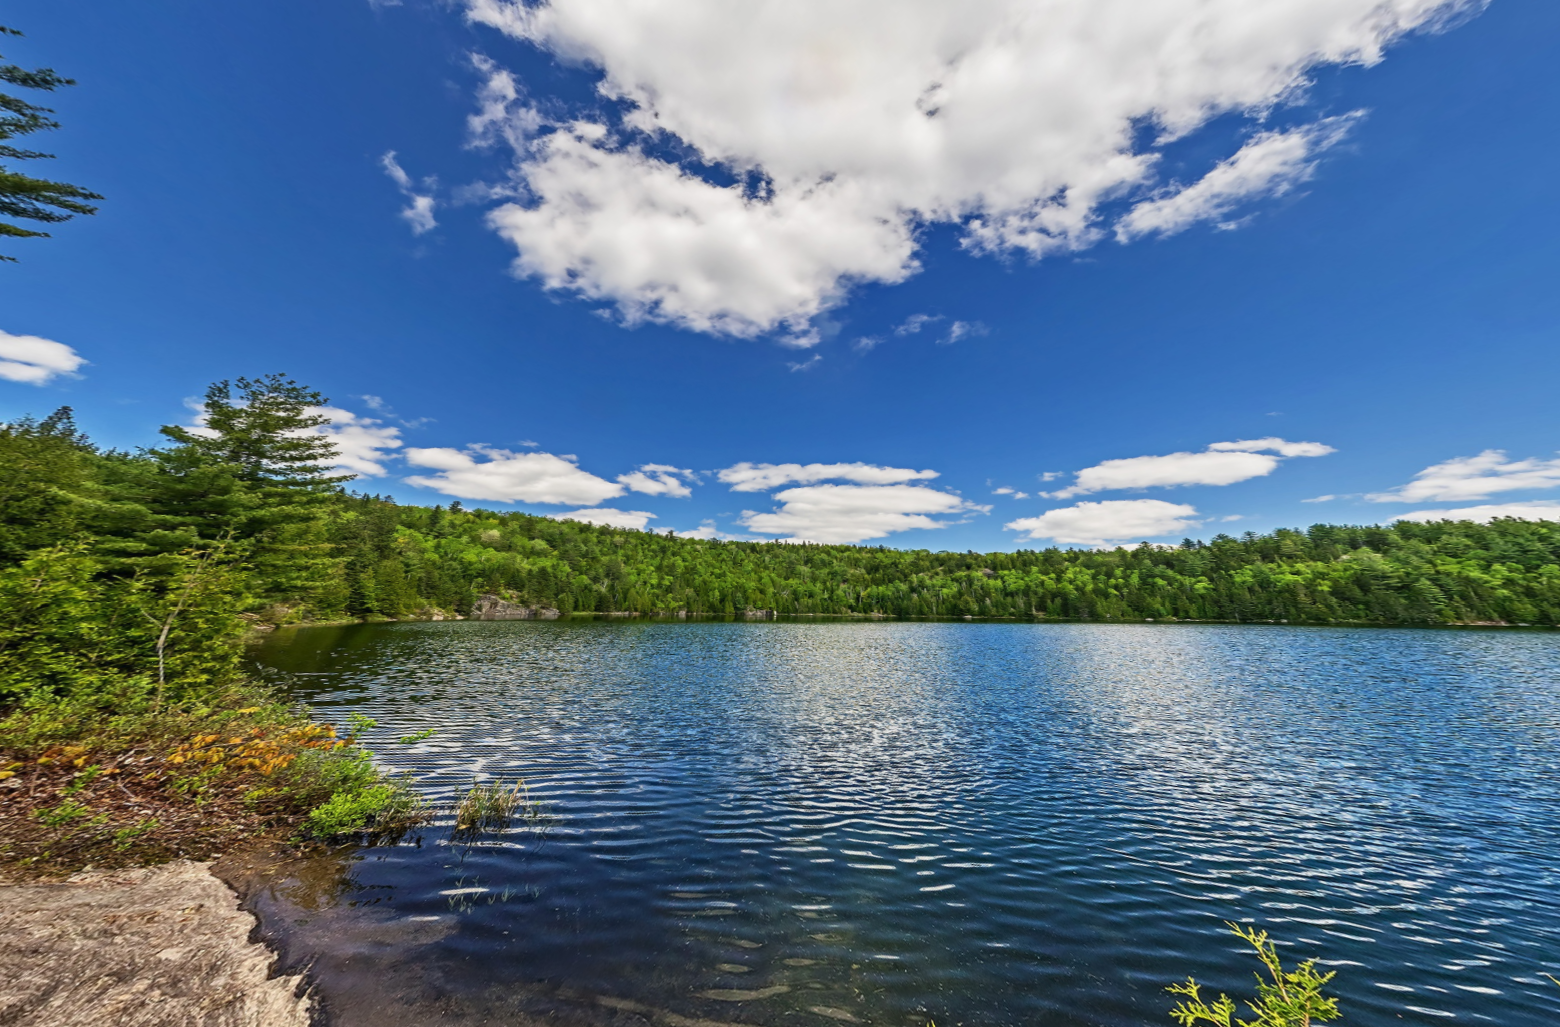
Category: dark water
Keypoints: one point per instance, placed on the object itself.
(977, 824)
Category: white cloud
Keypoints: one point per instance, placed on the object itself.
(964, 330)
(709, 530)
(805, 365)
(849, 125)
(1320, 499)
(1114, 520)
(419, 211)
(35, 360)
(1223, 463)
(855, 513)
(1534, 511)
(915, 322)
(608, 517)
(658, 480)
(1272, 163)
(1275, 445)
(362, 443)
(1005, 491)
(483, 472)
(747, 477)
(1473, 477)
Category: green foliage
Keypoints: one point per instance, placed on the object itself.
(22, 196)
(63, 814)
(1285, 998)
(376, 809)
(401, 559)
(43, 465)
(67, 630)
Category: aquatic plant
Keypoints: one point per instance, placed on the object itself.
(493, 807)
(1286, 998)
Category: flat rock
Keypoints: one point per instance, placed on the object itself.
(154, 947)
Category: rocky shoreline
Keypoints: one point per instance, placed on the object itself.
(164, 946)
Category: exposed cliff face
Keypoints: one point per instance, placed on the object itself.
(492, 607)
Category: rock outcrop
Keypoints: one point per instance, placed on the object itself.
(492, 607)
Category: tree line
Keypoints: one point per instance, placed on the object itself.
(157, 559)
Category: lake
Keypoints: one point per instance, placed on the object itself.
(968, 823)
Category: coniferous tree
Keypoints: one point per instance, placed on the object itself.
(22, 196)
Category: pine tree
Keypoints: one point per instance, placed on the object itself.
(22, 196)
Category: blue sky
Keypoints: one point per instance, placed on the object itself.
(1152, 244)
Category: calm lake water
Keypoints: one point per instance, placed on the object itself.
(975, 824)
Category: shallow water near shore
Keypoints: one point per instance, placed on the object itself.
(976, 824)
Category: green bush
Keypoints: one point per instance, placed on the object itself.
(377, 809)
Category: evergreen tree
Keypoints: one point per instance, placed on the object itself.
(257, 468)
(22, 196)
(42, 465)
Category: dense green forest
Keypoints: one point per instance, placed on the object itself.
(179, 546)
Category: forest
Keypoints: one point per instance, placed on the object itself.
(243, 523)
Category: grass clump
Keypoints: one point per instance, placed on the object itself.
(495, 807)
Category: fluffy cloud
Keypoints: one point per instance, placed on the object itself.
(855, 513)
(609, 517)
(419, 210)
(482, 472)
(1223, 463)
(747, 477)
(362, 443)
(658, 480)
(1115, 520)
(1473, 477)
(846, 126)
(1535, 511)
(35, 360)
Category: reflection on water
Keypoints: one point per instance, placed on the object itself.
(979, 824)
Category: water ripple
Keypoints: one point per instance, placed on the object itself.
(978, 824)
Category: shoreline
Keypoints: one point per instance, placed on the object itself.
(160, 945)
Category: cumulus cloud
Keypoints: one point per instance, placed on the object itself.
(608, 517)
(419, 210)
(1534, 511)
(658, 480)
(855, 513)
(483, 472)
(844, 127)
(749, 477)
(1473, 477)
(1223, 463)
(1272, 163)
(1006, 491)
(708, 530)
(35, 360)
(362, 443)
(1107, 522)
